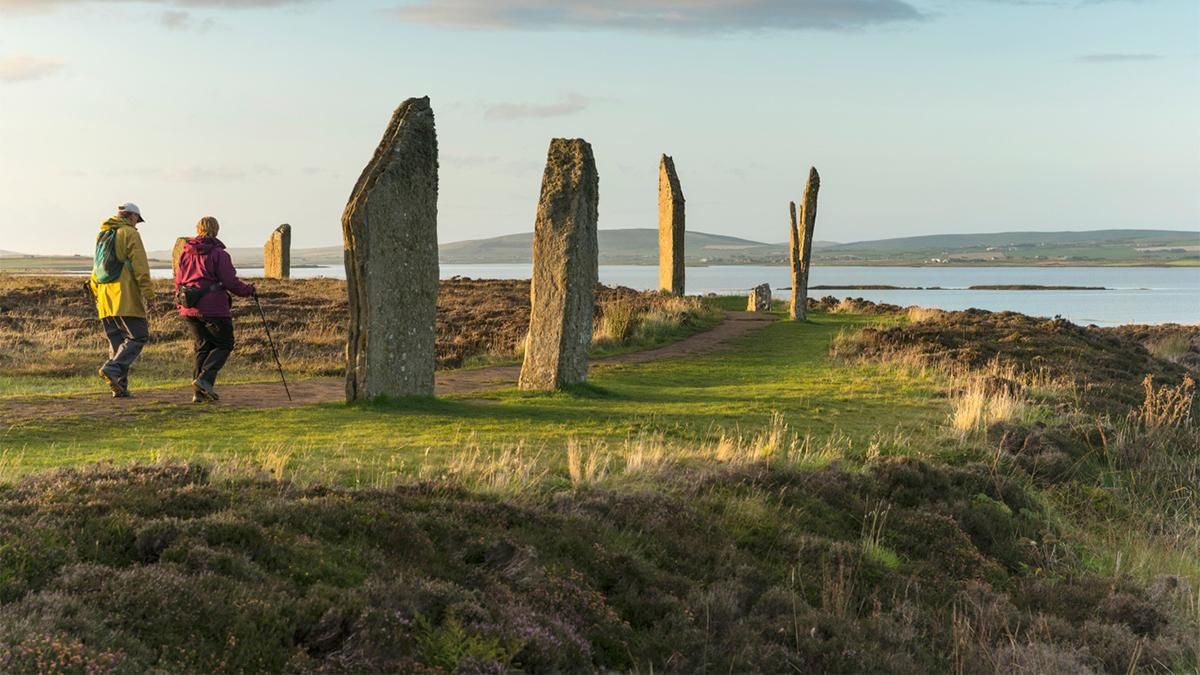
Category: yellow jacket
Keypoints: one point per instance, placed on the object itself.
(133, 290)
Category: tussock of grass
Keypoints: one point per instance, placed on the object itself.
(919, 314)
(979, 405)
(585, 468)
(1166, 407)
(1170, 347)
(616, 322)
(624, 324)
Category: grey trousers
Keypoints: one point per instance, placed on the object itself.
(127, 335)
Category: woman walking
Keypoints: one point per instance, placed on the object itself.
(207, 272)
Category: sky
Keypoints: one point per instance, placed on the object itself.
(922, 116)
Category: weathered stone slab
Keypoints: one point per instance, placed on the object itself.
(277, 253)
(794, 251)
(177, 251)
(801, 244)
(670, 228)
(389, 229)
(760, 299)
(565, 269)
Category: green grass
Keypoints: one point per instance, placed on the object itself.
(784, 369)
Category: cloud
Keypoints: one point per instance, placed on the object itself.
(24, 68)
(175, 19)
(570, 105)
(670, 16)
(37, 6)
(1117, 58)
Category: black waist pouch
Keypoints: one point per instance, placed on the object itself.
(190, 296)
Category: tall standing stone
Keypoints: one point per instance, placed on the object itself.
(277, 253)
(176, 252)
(565, 269)
(670, 228)
(389, 229)
(801, 240)
(795, 247)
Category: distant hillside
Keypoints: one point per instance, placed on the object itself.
(629, 246)
(640, 247)
(1096, 246)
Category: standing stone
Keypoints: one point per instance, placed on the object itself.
(277, 253)
(389, 229)
(565, 269)
(176, 252)
(760, 299)
(670, 228)
(794, 250)
(801, 244)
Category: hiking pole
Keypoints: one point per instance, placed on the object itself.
(272, 343)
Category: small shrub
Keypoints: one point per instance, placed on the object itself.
(452, 647)
(59, 654)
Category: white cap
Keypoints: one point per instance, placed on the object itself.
(130, 207)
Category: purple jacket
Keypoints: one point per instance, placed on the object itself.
(204, 262)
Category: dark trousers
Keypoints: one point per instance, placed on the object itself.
(212, 341)
(127, 335)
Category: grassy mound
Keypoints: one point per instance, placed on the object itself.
(1106, 367)
(902, 567)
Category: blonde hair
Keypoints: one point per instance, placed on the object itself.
(207, 227)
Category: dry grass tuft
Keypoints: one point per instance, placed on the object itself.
(1166, 406)
(586, 467)
(632, 317)
(617, 321)
(511, 470)
(645, 454)
(921, 314)
(274, 460)
(978, 405)
(1172, 347)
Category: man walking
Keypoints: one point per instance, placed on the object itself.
(121, 283)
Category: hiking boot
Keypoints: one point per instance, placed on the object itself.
(197, 397)
(115, 384)
(205, 389)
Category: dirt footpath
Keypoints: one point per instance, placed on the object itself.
(331, 390)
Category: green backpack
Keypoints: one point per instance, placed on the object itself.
(106, 266)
